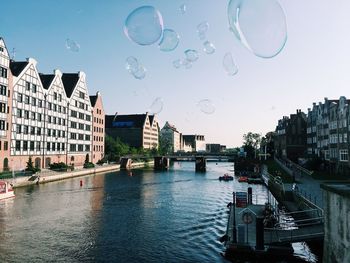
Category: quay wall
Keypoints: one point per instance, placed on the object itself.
(337, 223)
(51, 176)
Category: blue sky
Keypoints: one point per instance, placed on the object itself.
(314, 63)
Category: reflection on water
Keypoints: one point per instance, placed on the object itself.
(146, 216)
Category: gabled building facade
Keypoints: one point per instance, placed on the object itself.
(98, 127)
(170, 136)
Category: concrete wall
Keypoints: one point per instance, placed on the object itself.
(337, 220)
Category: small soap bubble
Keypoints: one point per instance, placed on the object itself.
(177, 63)
(229, 64)
(144, 25)
(208, 47)
(191, 55)
(156, 106)
(186, 63)
(206, 106)
(202, 29)
(260, 25)
(169, 41)
(72, 45)
(135, 68)
(182, 9)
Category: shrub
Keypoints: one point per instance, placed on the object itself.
(101, 162)
(89, 165)
(58, 166)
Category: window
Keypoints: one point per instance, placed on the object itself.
(59, 121)
(63, 134)
(87, 127)
(34, 88)
(55, 95)
(2, 107)
(48, 132)
(25, 129)
(50, 106)
(88, 117)
(2, 125)
(18, 128)
(73, 124)
(344, 157)
(54, 133)
(87, 137)
(53, 146)
(58, 146)
(40, 103)
(72, 147)
(81, 126)
(27, 85)
(81, 137)
(26, 114)
(26, 99)
(87, 148)
(59, 97)
(19, 97)
(49, 119)
(81, 116)
(25, 146)
(54, 107)
(73, 113)
(62, 146)
(73, 136)
(81, 95)
(59, 108)
(31, 147)
(38, 131)
(39, 117)
(32, 130)
(63, 122)
(345, 137)
(34, 101)
(58, 133)
(33, 115)
(6, 146)
(48, 146)
(3, 90)
(3, 72)
(54, 120)
(18, 145)
(80, 147)
(38, 146)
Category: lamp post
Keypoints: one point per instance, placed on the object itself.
(234, 231)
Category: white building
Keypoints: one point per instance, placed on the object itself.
(171, 136)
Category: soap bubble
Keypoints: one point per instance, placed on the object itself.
(144, 25)
(260, 25)
(186, 63)
(177, 63)
(229, 64)
(135, 68)
(169, 41)
(191, 55)
(72, 45)
(202, 29)
(156, 106)
(209, 47)
(206, 106)
(183, 9)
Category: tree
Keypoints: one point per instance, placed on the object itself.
(251, 141)
(30, 166)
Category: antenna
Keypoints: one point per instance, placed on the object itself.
(13, 53)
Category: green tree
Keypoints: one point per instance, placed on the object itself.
(251, 142)
(30, 166)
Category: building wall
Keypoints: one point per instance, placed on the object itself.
(150, 133)
(337, 227)
(171, 135)
(80, 124)
(98, 130)
(5, 106)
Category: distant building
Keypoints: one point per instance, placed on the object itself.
(170, 136)
(215, 148)
(194, 142)
(98, 127)
(136, 130)
(290, 136)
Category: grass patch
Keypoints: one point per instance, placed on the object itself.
(274, 169)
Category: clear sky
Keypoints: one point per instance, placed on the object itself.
(315, 62)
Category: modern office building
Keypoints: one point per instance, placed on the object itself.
(136, 130)
(194, 142)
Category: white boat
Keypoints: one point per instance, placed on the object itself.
(6, 190)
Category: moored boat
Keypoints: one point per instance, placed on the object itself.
(226, 177)
(6, 190)
(243, 179)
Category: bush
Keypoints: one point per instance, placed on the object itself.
(101, 162)
(58, 166)
(89, 165)
(30, 167)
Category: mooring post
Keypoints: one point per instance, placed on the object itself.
(260, 233)
(234, 230)
(250, 195)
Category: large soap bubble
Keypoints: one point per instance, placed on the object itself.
(259, 24)
(191, 55)
(202, 29)
(144, 25)
(169, 41)
(156, 106)
(72, 45)
(135, 68)
(206, 106)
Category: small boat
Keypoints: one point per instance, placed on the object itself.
(243, 179)
(226, 177)
(6, 190)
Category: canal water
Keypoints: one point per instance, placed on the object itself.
(138, 216)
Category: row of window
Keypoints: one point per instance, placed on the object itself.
(31, 86)
(3, 90)
(56, 120)
(333, 154)
(79, 136)
(37, 102)
(3, 72)
(28, 129)
(98, 138)
(98, 120)
(80, 115)
(4, 125)
(4, 108)
(80, 126)
(59, 96)
(28, 115)
(98, 129)
(56, 133)
(98, 148)
(79, 147)
(55, 107)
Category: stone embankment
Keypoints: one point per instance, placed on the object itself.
(51, 176)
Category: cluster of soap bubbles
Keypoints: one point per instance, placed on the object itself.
(135, 68)
(202, 29)
(144, 26)
(191, 55)
(71, 45)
